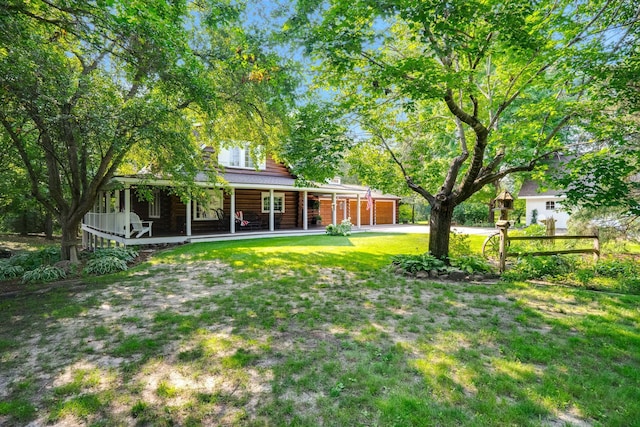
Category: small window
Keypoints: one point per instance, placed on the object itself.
(154, 205)
(551, 206)
(278, 202)
(234, 157)
(208, 211)
(248, 160)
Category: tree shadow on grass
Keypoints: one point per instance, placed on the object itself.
(302, 343)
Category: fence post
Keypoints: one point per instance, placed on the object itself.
(504, 238)
(596, 246)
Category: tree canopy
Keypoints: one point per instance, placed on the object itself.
(91, 87)
(463, 94)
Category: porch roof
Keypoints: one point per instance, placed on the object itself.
(258, 182)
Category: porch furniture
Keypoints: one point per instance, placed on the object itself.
(222, 222)
(248, 220)
(138, 226)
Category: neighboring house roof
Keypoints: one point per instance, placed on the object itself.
(531, 188)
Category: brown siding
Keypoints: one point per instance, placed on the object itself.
(141, 207)
(272, 169)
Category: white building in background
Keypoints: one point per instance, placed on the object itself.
(545, 204)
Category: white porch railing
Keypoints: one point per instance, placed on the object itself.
(113, 223)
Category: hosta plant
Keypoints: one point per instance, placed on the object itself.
(105, 265)
(43, 274)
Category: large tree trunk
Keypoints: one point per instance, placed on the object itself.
(69, 247)
(440, 226)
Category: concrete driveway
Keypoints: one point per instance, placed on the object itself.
(414, 228)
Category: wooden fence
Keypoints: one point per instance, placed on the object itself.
(505, 241)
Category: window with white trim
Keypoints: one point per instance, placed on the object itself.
(278, 202)
(155, 205)
(248, 160)
(234, 157)
(550, 205)
(208, 210)
(241, 157)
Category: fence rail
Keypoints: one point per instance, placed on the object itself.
(505, 241)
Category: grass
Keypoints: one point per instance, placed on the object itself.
(316, 331)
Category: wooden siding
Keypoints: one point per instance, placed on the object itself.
(272, 169)
(141, 207)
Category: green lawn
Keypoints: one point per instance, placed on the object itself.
(316, 331)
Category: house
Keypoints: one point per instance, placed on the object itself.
(546, 203)
(543, 204)
(261, 199)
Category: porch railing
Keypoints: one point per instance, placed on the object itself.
(113, 223)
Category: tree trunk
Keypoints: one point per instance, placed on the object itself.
(48, 226)
(69, 246)
(440, 227)
(24, 224)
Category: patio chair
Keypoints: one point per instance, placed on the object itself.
(139, 226)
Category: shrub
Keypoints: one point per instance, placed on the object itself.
(125, 254)
(105, 265)
(405, 213)
(459, 244)
(9, 271)
(427, 262)
(32, 260)
(342, 229)
(43, 274)
(529, 267)
(613, 267)
(470, 213)
(415, 263)
(471, 264)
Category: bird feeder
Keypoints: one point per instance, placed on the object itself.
(503, 203)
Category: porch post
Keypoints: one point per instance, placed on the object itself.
(305, 211)
(271, 211)
(345, 207)
(127, 212)
(118, 209)
(333, 208)
(103, 218)
(188, 215)
(373, 206)
(111, 219)
(232, 217)
(358, 213)
(395, 206)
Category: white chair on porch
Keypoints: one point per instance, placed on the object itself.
(139, 226)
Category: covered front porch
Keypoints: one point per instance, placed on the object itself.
(120, 217)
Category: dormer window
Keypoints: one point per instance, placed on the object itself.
(234, 157)
(240, 157)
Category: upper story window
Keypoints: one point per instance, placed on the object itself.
(234, 157)
(550, 205)
(240, 157)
